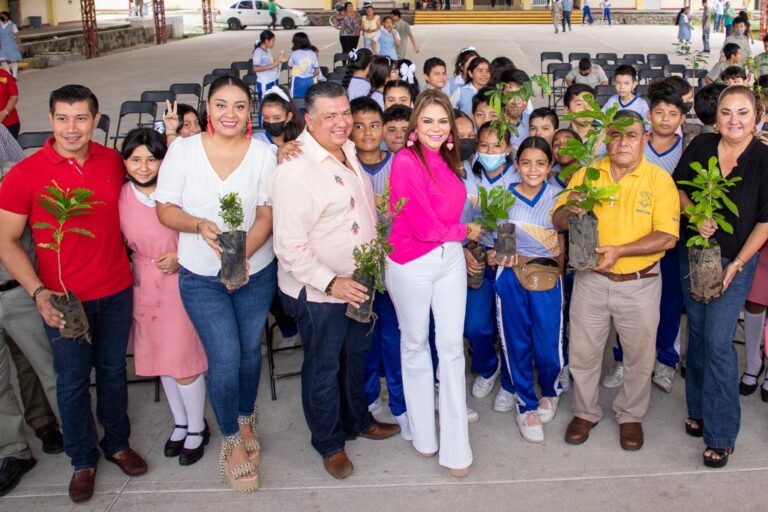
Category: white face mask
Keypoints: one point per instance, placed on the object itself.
(739, 32)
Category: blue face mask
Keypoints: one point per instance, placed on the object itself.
(491, 162)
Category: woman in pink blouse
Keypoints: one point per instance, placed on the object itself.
(426, 269)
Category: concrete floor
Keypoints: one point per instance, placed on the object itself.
(508, 473)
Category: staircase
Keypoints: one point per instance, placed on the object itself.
(488, 17)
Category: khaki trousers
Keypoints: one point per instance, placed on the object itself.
(633, 307)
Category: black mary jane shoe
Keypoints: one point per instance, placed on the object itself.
(173, 448)
(747, 389)
(187, 457)
(764, 393)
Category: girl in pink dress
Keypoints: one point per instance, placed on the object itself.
(164, 340)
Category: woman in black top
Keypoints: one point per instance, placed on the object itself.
(711, 384)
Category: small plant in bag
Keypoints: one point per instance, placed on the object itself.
(371, 258)
(233, 262)
(709, 198)
(494, 206)
(582, 235)
(63, 205)
(500, 97)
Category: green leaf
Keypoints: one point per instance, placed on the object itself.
(43, 225)
(80, 231)
(50, 246)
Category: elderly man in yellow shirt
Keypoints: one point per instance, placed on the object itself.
(634, 230)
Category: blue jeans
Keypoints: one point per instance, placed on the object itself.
(566, 19)
(333, 373)
(718, 21)
(711, 370)
(481, 330)
(586, 14)
(230, 326)
(109, 319)
(385, 354)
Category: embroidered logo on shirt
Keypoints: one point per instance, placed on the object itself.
(338, 179)
(352, 203)
(355, 228)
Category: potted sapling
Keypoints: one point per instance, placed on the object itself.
(494, 206)
(582, 233)
(371, 258)
(233, 262)
(708, 197)
(63, 205)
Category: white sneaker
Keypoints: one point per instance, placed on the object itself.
(375, 407)
(662, 376)
(504, 401)
(405, 426)
(482, 387)
(565, 378)
(615, 377)
(472, 415)
(547, 408)
(530, 427)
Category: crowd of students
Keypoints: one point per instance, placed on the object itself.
(310, 180)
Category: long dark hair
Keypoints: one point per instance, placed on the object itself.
(363, 58)
(266, 35)
(379, 72)
(461, 58)
(295, 126)
(300, 41)
(451, 156)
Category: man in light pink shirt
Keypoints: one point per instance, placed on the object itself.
(323, 208)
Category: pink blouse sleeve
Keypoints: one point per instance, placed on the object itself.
(410, 180)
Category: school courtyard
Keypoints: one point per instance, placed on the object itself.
(508, 473)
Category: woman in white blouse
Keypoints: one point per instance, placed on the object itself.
(196, 172)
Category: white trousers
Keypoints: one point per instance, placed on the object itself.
(436, 281)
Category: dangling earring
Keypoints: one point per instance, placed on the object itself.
(209, 126)
(449, 142)
(248, 128)
(412, 138)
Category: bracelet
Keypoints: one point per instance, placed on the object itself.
(330, 285)
(197, 226)
(738, 263)
(37, 292)
(469, 230)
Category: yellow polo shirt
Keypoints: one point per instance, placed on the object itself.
(647, 201)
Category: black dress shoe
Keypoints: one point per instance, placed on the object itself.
(173, 448)
(764, 394)
(187, 457)
(11, 472)
(51, 437)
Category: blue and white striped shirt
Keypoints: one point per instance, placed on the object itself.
(636, 104)
(379, 174)
(668, 159)
(535, 234)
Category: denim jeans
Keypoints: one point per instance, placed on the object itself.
(718, 21)
(109, 319)
(705, 40)
(333, 373)
(385, 355)
(711, 371)
(230, 326)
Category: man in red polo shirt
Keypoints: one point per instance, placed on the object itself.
(95, 269)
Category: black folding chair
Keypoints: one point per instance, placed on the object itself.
(325, 71)
(299, 105)
(274, 376)
(578, 56)
(225, 72)
(339, 57)
(657, 61)
(33, 140)
(611, 57)
(694, 73)
(241, 66)
(140, 108)
(674, 69)
(103, 125)
(557, 56)
(336, 76)
(602, 99)
(657, 56)
(187, 89)
(284, 68)
(158, 97)
(637, 57)
(650, 74)
(642, 91)
(558, 86)
(250, 80)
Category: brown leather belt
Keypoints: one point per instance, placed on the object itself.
(644, 273)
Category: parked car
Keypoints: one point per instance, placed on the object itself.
(243, 13)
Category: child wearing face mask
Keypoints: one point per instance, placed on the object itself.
(280, 123)
(530, 314)
(491, 169)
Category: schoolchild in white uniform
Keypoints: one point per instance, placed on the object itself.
(304, 65)
(478, 76)
(625, 81)
(356, 78)
(459, 78)
(529, 292)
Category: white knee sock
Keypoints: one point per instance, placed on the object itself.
(15, 69)
(5, 66)
(754, 324)
(193, 396)
(173, 396)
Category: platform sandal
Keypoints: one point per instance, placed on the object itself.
(694, 431)
(237, 476)
(722, 454)
(253, 446)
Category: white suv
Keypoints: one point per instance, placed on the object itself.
(242, 13)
